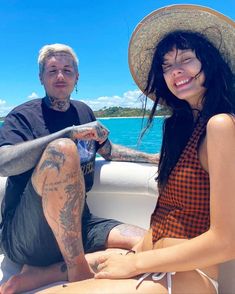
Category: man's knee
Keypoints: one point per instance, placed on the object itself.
(59, 157)
(57, 154)
(62, 145)
(125, 236)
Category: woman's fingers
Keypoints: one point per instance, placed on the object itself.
(101, 266)
(102, 258)
(102, 275)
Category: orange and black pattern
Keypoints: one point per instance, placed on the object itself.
(183, 207)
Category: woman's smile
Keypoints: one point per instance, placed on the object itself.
(183, 75)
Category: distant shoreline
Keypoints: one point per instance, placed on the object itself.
(117, 112)
(117, 117)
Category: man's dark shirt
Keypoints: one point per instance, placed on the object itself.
(34, 119)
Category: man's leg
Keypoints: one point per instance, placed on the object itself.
(59, 181)
(31, 277)
(125, 236)
(47, 180)
(102, 233)
(122, 235)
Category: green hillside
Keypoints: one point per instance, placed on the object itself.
(122, 112)
(125, 112)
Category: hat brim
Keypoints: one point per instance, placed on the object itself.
(218, 28)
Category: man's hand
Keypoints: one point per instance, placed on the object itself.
(90, 131)
(156, 158)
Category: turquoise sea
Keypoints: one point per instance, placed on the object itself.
(125, 131)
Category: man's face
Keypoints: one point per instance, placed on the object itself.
(59, 76)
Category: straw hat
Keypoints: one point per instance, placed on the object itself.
(218, 28)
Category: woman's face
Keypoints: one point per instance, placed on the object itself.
(183, 76)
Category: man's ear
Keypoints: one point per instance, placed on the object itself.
(77, 77)
(40, 78)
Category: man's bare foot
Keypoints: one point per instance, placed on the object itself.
(34, 277)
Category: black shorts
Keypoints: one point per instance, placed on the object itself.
(28, 239)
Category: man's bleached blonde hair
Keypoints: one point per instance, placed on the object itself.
(53, 49)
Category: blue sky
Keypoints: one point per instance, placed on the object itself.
(98, 30)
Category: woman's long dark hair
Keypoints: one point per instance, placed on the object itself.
(219, 96)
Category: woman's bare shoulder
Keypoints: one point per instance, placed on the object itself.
(222, 123)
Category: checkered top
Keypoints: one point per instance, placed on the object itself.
(183, 207)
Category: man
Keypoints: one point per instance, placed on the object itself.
(48, 149)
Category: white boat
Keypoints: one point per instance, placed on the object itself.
(127, 192)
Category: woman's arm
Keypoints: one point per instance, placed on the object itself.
(212, 247)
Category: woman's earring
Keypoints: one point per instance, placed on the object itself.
(76, 88)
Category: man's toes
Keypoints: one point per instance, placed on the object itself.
(11, 286)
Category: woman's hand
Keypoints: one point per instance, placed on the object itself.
(116, 266)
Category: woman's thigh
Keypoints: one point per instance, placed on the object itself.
(183, 283)
(191, 282)
(103, 286)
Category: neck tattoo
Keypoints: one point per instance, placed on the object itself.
(58, 104)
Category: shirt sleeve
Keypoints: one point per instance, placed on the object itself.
(15, 129)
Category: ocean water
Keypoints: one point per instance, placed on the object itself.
(126, 131)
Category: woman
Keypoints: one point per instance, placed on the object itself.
(192, 227)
